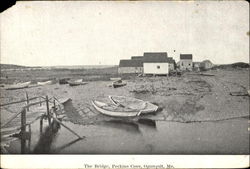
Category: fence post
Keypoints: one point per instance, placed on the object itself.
(40, 101)
(23, 131)
(47, 105)
(23, 121)
(27, 99)
(55, 107)
(41, 124)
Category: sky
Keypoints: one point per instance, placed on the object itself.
(47, 33)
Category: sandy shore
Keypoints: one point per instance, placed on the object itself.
(186, 99)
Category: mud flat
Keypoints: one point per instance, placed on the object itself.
(197, 115)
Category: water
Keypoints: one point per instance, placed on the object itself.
(133, 137)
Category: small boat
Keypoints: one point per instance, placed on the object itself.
(113, 110)
(44, 83)
(206, 74)
(18, 86)
(77, 82)
(115, 78)
(133, 103)
(64, 81)
(118, 83)
(239, 93)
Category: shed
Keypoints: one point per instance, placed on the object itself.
(130, 66)
(155, 63)
(186, 61)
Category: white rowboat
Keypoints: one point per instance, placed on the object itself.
(133, 103)
(44, 83)
(18, 86)
(113, 110)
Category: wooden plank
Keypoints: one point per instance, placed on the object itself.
(13, 117)
(20, 101)
(66, 127)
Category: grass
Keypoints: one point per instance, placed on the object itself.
(8, 77)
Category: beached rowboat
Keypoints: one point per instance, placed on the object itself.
(18, 86)
(118, 83)
(44, 83)
(113, 110)
(77, 82)
(64, 81)
(133, 103)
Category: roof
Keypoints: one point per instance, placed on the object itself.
(160, 57)
(131, 63)
(186, 56)
(136, 57)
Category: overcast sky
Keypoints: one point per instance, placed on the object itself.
(92, 33)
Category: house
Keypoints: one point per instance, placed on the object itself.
(206, 64)
(149, 63)
(130, 66)
(155, 63)
(186, 62)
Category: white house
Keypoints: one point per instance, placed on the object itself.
(186, 62)
(155, 63)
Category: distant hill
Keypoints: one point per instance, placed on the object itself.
(233, 65)
(10, 66)
(82, 67)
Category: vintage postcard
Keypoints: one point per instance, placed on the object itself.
(125, 84)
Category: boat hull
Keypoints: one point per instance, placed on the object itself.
(133, 103)
(44, 83)
(116, 85)
(115, 113)
(76, 83)
(18, 86)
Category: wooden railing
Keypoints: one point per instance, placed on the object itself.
(26, 135)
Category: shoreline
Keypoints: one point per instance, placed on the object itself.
(184, 99)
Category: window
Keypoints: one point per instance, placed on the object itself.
(158, 67)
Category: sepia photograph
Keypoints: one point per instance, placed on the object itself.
(127, 77)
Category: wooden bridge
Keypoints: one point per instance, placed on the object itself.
(53, 111)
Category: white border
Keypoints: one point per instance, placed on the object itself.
(124, 161)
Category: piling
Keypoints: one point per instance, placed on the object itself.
(27, 100)
(23, 131)
(41, 124)
(40, 101)
(47, 105)
(55, 107)
(23, 121)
